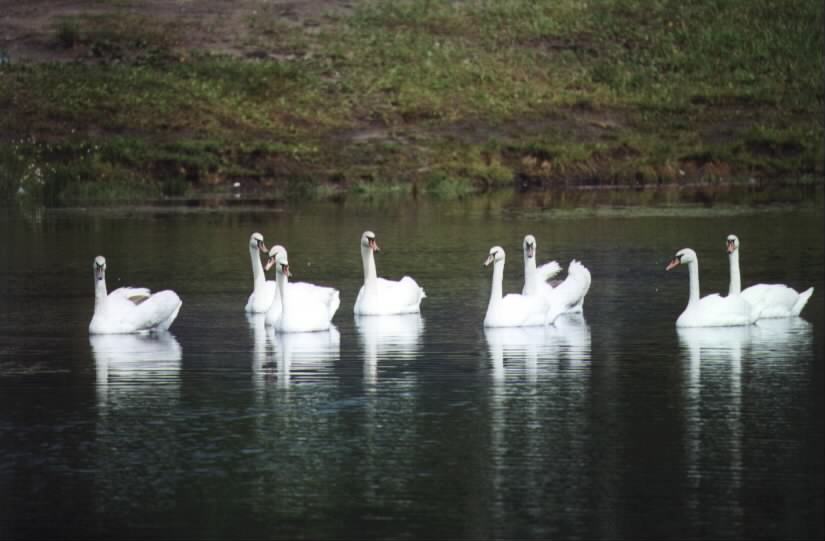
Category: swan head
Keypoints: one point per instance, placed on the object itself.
(282, 263)
(256, 242)
(732, 243)
(496, 255)
(683, 256)
(368, 241)
(529, 245)
(273, 255)
(99, 267)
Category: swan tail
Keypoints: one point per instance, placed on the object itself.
(802, 301)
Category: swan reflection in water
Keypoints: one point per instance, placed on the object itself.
(388, 337)
(307, 355)
(561, 354)
(276, 357)
(132, 362)
(568, 339)
(714, 358)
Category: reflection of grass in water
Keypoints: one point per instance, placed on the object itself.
(664, 201)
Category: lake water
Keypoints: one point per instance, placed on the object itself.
(610, 425)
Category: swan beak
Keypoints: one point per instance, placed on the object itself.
(489, 260)
(269, 263)
(262, 247)
(731, 247)
(285, 270)
(530, 250)
(673, 263)
(374, 246)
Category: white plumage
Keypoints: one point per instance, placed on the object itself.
(568, 295)
(263, 291)
(771, 300)
(712, 310)
(299, 314)
(321, 295)
(512, 310)
(130, 309)
(379, 296)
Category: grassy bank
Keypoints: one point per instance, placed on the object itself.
(436, 97)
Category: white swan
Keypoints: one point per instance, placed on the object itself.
(568, 295)
(512, 310)
(772, 300)
(130, 309)
(298, 314)
(328, 296)
(263, 290)
(712, 310)
(535, 278)
(379, 296)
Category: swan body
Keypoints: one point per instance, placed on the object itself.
(512, 310)
(568, 295)
(298, 314)
(263, 292)
(129, 310)
(327, 296)
(712, 310)
(379, 296)
(772, 300)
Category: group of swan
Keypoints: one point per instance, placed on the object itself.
(739, 307)
(304, 307)
(540, 302)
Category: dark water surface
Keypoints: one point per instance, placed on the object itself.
(614, 425)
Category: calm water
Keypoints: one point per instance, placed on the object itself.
(614, 425)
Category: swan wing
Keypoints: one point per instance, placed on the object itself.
(157, 312)
(135, 295)
(121, 314)
(776, 300)
(327, 296)
(548, 271)
(569, 295)
(400, 295)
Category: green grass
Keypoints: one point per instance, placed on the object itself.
(466, 96)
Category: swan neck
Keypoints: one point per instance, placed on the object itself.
(693, 270)
(498, 277)
(258, 277)
(529, 274)
(100, 290)
(735, 279)
(368, 259)
(281, 280)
